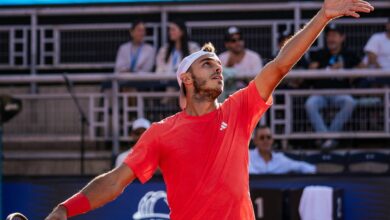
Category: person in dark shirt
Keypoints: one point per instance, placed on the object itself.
(334, 56)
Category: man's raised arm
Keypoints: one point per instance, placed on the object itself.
(98, 192)
(267, 80)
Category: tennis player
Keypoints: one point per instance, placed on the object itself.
(202, 151)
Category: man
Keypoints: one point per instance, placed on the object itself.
(135, 56)
(334, 56)
(139, 127)
(202, 151)
(378, 49)
(262, 159)
(238, 59)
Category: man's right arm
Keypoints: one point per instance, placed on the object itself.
(373, 60)
(122, 64)
(100, 190)
(371, 48)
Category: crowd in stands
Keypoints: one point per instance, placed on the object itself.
(139, 57)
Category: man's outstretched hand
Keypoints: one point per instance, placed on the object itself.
(338, 8)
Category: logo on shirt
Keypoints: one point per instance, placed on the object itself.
(223, 126)
(147, 206)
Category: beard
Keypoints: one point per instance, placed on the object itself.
(203, 93)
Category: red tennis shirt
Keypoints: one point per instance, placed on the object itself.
(203, 159)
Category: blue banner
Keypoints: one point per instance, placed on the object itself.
(363, 197)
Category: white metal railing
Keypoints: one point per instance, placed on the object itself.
(46, 52)
(53, 116)
(58, 45)
(375, 103)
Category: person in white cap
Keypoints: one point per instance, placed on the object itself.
(139, 127)
(202, 151)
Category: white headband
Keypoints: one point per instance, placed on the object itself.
(187, 62)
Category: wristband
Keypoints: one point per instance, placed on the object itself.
(76, 205)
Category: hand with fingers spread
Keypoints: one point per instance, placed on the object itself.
(338, 8)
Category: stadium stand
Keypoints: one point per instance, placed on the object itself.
(38, 45)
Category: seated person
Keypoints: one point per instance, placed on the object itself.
(377, 52)
(178, 47)
(237, 61)
(334, 56)
(263, 160)
(135, 56)
(378, 49)
(242, 61)
(139, 127)
(170, 55)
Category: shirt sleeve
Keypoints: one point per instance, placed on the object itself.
(149, 61)
(122, 63)
(299, 166)
(143, 159)
(249, 106)
(372, 45)
(160, 62)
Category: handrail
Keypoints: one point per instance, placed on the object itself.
(115, 9)
(150, 76)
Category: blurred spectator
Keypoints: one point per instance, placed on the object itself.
(334, 56)
(139, 127)
(135, 56)
(262, 159)
(378, 49)
(377, 57)
(238, 59)
(179, 46)
(169, 56)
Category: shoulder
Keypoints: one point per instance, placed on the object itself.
(223, 55)
(252, 53)
(148, 47)
(125, 46)
(163, 48)
(280, 156)
(378, 36)
(252, 152)
(165, 123)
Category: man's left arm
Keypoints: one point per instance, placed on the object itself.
(267, 80)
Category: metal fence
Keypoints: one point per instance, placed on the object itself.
(369, 118)
(52, 115)
(39, 44)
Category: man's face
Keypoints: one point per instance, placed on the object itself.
(138, 33)
(235, 44)
(206, 73)
(334, 40)
(263, 140)
(136, 134)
